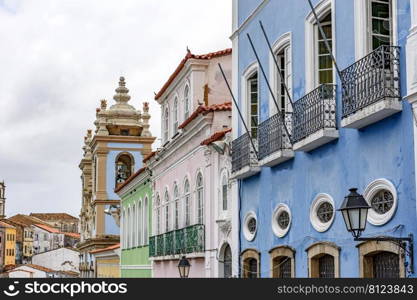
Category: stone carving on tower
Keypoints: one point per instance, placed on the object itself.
(2, 200)
(112, 153)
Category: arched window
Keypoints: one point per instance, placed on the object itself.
(226, 262)
(158, 215)
(129, 223)
(323, 57)
(253, 103)
(186, 102)
(166, 124)
(187, 203)
(225, 203)
(145, 222)
(200, 199)
(250, 263)
(323, 260)
(123, 229)
(166, 200)
(283, 56)
(124, 168)
(139, 224)
(133, 227)
(282, 262)
(176, 208)
(175, 116)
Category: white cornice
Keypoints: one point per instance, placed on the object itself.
(249, 19)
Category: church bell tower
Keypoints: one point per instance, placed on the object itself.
(2, 200)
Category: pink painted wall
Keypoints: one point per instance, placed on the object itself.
(169, 268)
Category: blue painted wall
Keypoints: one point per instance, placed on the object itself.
(382, 150)
(110, 225)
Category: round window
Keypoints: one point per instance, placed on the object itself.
(381, 195)
(322, 212)
(250, 226)
(281, 220)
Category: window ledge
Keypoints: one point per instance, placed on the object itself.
(372, 113)
(316, 139)
(246, 172)
(277, 158)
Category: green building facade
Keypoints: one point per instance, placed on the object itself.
(135, 222)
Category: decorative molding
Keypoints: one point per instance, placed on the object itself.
(315, 222)
(248, 235)
(278, 231)
(374, 187)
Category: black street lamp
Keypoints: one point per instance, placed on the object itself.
(184, 267)
(355, 212)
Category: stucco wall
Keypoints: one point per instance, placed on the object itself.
(382, 150)
(62, 259)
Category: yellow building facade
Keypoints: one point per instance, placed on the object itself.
(9, 255)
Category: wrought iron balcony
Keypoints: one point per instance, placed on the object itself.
(182, 241)
(274, 143)
(371, 88)
(314, 119)
(244, 160)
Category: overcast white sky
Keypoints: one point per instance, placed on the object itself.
(58, 58)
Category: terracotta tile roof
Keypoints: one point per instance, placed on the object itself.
(5, 225)
(113, 247)
(149, 156)
(140, 171)
(37, 267)
(188, 56)
(48, 228)
(227, 106)
(72, 234)
(53, 216)
(27, 220)
(215, 137)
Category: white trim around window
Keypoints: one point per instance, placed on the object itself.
(250, 236)
(361, 12)
(245, 103)
(322, 8)
(283, 42)
(371, 190)
(314, 219)
(278, 231)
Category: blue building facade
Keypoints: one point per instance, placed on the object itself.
(342, 131)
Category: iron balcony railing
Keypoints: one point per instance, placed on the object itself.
(182, 241)
(314, 111)
(371, 79)
(272, 134)
(243, 153)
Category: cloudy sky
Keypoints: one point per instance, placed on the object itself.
(58, 58)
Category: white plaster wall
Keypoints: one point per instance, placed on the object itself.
(35, 273)
(62, 259)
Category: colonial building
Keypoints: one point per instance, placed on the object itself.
(187, 175)
(136, 212)
(106, 261)
(24, 241)
(7, 244)
(65, 259)
(320, 132)
(111, 155)
(62, 221)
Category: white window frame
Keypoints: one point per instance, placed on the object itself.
(278, 231)
(374, 187)
(145, 221)
(139, 224)
(176, 224)
(175, 116)
(362, 25)
(311, 72)
(280, 45)
(187, 203)
(166, 123)
(187, 104)
(167, 225)
(199, 199)
(246, 233)
(247, 74)
(314, 219)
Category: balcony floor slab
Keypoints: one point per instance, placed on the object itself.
(277, 158)
(372, 113)
(246, 172)
(316, 140)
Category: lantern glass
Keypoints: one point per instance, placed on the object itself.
(347, 220)
(184, 267)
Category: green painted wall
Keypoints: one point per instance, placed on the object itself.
(137, 258)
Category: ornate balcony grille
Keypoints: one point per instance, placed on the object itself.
(272, 135)
(152, 246)
(315, 111)
(242, 153)
(182, 241)
(371, 79)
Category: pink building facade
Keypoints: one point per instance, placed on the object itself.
(190, 172)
